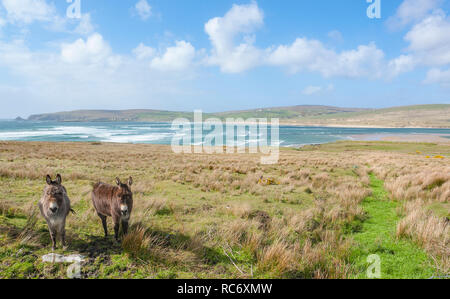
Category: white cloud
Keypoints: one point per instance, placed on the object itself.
(177, 58)
(438, 76)
(143, 52)
(86, 73)
(143, 9)
(429, 40)
(241, 20)
(92, 51)
(311, 55)
(401, 64)
(335, 35)
(430, 33)
(310, 90)
(28, 11)
(85, 26)
(302, 55)
(2, 24)
(411, 11)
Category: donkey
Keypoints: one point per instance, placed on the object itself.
(55, 206)
(115, 202)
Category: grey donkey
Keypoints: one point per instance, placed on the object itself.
(55, 206)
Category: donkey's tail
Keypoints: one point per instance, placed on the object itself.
(73, 212)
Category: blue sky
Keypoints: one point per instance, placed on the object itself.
(221, 55)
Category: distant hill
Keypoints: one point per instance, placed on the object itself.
(110, 115)
(425, 116)
(285, 113)
(432, 116)
(291, 113)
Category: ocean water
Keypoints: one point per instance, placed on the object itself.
(162, 133)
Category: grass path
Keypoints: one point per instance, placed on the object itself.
(399, 258)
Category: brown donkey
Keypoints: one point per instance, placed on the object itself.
(55, 206)
(115, 202)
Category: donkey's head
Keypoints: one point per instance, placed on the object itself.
(54, 194)
(125, 196)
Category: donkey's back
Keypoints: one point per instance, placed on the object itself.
(115, 202)
(102, 196)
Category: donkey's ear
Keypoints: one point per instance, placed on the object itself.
(58, 179)
(48, 179)
(130, 181)
(118, 182)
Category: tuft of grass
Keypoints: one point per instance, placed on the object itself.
(28, 233)
(141, 245)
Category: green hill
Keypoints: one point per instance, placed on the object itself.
(433, 116)
(109, 115)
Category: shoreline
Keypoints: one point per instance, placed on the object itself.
(392, 138)
(412, 138)
(285, 124)
(359, 127)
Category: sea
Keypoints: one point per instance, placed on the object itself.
(163, 133)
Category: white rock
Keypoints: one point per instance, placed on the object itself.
(58, 258)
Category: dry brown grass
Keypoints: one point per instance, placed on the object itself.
(7, 209)
(188, 208)
(140, 244)
(279, 257)
(428, 230)
(28, 234)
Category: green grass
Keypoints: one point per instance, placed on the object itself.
(399, 258)
(441, 209)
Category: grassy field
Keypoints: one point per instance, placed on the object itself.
(318, 213)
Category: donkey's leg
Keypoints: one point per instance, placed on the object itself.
(52, 230)
(53, 236)
(116, 220)
(116, 230)
(125, 227)
(62, 233)
(63, 237)
(105, 226)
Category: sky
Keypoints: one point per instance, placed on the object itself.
(221, 55)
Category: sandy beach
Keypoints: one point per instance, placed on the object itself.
(428, 138)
